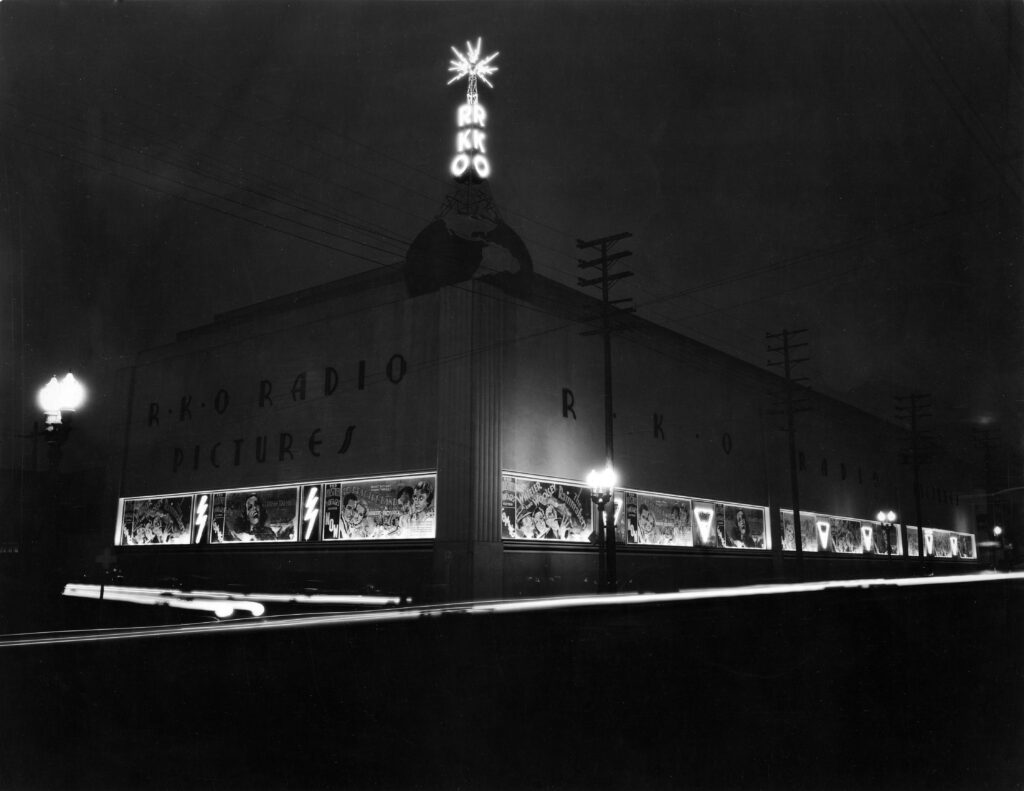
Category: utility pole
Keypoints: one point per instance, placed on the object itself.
(990, 518)
(911, 409)
(605, 280)
(792, 404)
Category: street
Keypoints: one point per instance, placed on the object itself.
(874, 685)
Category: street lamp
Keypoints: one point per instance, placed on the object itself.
(55, 399)
(997, 531)
(887, 519)
(602, 488)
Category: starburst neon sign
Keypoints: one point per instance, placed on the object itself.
(470, 141)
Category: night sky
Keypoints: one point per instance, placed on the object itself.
(852, 168)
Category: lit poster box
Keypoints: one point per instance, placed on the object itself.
(364, 509)
(667, 520)
(155, 520)
(547, 510)
(942, 543)
(825, 533)
(543, 510)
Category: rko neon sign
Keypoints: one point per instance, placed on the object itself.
(470, 141)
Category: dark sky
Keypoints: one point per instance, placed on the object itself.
(852, 168)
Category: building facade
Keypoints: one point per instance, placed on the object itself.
(429, 438)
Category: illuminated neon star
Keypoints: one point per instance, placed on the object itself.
(470, 65)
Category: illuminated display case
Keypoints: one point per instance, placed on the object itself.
(383, 509)
(549, 510)
(543, 510)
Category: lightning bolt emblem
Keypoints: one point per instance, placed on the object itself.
(201, 509)
(312, 510)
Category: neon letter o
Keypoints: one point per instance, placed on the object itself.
(460, 164)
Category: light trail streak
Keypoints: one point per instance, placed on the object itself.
(493, 607)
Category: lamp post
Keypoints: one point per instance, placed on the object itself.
(887, 520)
(602, 488)
(56, 399)
(997, 531)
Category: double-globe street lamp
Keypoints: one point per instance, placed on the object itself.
(57, 399)
(887, 520)
(602, 489)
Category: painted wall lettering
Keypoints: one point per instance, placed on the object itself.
(396, 368)
(220, 401)
(659, 431)
(568, 401)
(284, 446)
(299, 387)
(265, 388)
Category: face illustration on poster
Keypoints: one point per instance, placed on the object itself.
(680, 524)
(416, 515)
(353, 517)
(541, 510)
(645, 525)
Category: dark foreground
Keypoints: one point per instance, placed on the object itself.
(879, 688)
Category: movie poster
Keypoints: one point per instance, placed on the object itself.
(808, 531)
(963, 547)
(880, 540)
(258, 515)
(741, 527)
(912, 541)
(157, 520)
(395, 508)
(657, 519)
(542, 510)
(846, 536)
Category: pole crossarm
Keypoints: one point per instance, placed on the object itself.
(605, 259)
(593, 281)
(580, 244)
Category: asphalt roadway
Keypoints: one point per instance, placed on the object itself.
(871, 685)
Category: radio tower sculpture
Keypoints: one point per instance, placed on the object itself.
(470, 65)
(468, 238)
(470, 167)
